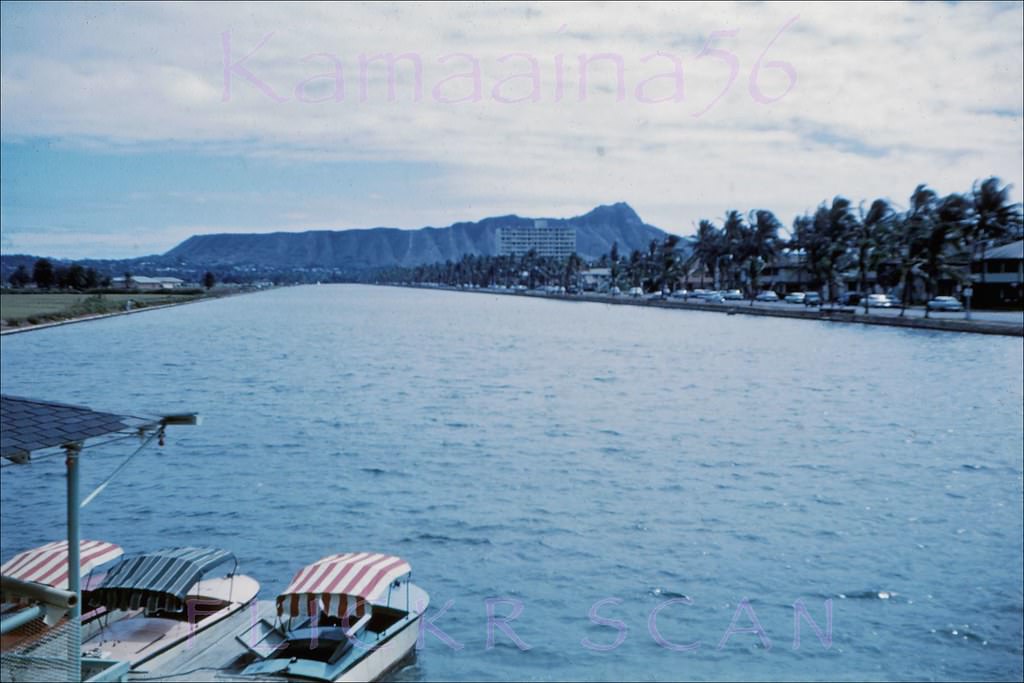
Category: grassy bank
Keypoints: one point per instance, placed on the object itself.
(19, 310)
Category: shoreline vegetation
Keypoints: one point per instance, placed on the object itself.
(935, 247)
(841, 314)
(32, 310)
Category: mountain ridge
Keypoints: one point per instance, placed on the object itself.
(354, 254)
(379, 247)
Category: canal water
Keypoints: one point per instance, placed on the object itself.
(686, 478)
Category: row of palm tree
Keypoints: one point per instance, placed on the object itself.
(529, 269)
(661, 266)
(933, 239)
(928, 242)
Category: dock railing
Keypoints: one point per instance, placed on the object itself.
(39, 641)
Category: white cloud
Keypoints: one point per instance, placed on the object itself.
(887, 95)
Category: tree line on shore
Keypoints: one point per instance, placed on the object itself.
(46, 276)
(935, 238)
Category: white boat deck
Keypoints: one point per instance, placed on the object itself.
(214, 652)
(219, 653)
(152, 642)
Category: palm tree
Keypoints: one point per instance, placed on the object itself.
(869, 241)
(707, 250)
(613, 256)
(634, 270)
(734, 235)
(838, 223)
(807, 243)
(950, 215)
(669, 265)
(761, 245)
(823, 238)
(572, 266)
(649, 265)
(993, 217)
(911, 239)
(529, 266)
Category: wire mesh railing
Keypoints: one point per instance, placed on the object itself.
(37, 652)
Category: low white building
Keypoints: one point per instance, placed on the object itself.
(144, 283)
(595, 279)
(998, 275)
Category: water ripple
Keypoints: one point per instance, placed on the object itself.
(561, 455)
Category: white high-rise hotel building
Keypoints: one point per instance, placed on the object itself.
(558, 242)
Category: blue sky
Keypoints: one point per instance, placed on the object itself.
(116, 138)
(125, 201)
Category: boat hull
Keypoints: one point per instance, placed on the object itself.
(387, 656)
(155, 642)
(368, 659)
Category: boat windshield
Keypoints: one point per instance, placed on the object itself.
(326, 645)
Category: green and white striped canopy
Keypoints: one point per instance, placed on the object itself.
(159, 580)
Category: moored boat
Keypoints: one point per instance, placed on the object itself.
(48, 565)
(346, 617)
(161, 605)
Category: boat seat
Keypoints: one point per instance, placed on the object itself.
(359, 626)
(348, 622)
(262, 638)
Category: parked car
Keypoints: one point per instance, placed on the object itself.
(635, 291)
(767, 295)
(812, 299)
(850, 298)
(714, 298)
(655, 296)
(615, 291)
(732, 295)
(945, 303)
(680, 294)
(879, 301)
(795, 298)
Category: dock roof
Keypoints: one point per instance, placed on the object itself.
(29, 425)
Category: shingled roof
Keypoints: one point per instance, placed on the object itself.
(28, 425)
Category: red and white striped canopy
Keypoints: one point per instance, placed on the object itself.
(344, 579)
(48, 564)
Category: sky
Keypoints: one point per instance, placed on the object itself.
(126, 128)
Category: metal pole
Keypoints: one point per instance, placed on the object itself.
(74, 560)
(53, 597)
(21, 618)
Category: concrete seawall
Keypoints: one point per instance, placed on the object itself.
(838, 315)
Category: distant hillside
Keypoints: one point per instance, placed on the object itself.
(384, 247)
